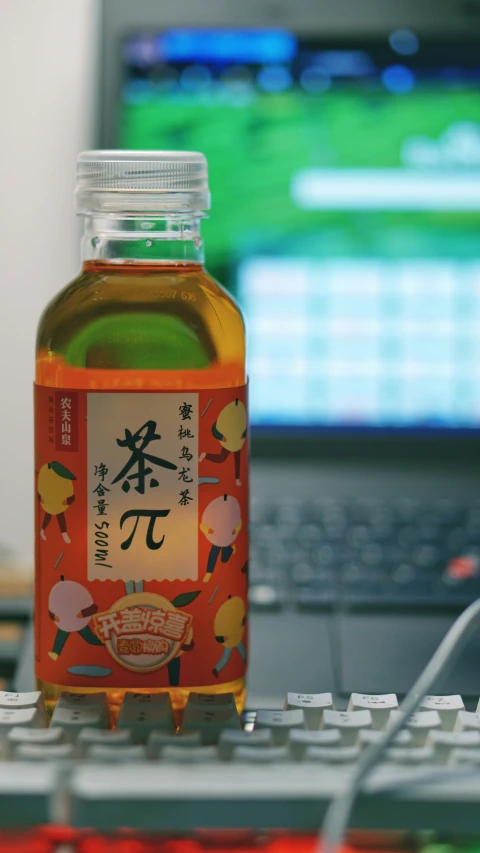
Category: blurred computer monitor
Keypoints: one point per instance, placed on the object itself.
(345, 177)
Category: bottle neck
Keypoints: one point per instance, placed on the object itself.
(171, 238)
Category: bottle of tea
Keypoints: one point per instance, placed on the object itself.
(141, 456)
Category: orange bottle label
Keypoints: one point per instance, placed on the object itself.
(141, 537)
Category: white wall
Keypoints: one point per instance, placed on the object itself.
(47, 65)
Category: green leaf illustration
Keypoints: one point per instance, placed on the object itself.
(61, 471)
(185, 598)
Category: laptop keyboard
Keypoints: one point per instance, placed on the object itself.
(269, 767)
(364, 554)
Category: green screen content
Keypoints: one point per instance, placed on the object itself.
(346, 190)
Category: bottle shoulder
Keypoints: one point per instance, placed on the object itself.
(60, 304)
(142, 318)
(110, 290)
(217, 291)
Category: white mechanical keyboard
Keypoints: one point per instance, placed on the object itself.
(270, 768)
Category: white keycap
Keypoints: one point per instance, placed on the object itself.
(464, 756)
(380, 706)
(109, 754)
(140, 700)
(211, 700)
(20, 700)
(229, 739)
(210, 722)
(31, 718)
(79, 701)
(101, 737)
(368, 736)
(195, 755)
(32, 783)
(281, 723)
(142, 717)
(411, 755)
(18, 735)
(447, 708)
(73, 720)
(444, 742)
(312, 704)
(249, 718)
(44, 752)
(299, 740)
(467, 721)
(261, 754)
(24, 700)
(341, 755)
(157, 740)
(419, 724)
(348, 723)
(96, 703)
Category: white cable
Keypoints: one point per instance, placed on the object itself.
(338, 815)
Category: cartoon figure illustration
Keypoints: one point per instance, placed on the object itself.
(173, 666)
(56, 493)
(229, 627)
(230, 429)
(221, 524)
(71, 607)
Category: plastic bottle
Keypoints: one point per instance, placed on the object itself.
(141, 447)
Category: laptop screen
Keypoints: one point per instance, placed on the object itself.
(345, 183)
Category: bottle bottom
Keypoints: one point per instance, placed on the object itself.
(179, 695)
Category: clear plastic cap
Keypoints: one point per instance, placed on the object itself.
(141, 182)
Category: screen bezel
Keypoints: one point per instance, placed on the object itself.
(329, 20)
